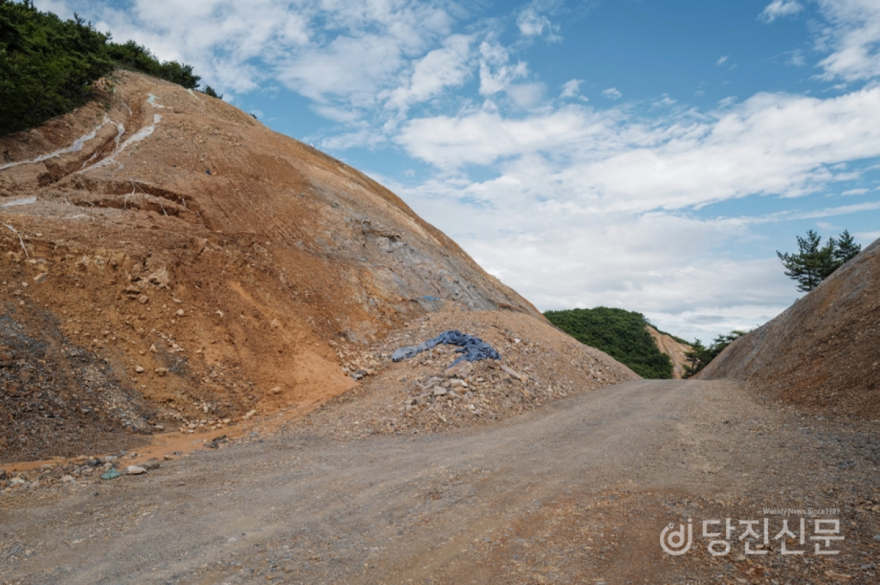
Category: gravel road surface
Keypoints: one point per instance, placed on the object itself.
(577, 491)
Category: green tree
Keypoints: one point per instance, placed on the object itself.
(700, 355)
(48, 65)
(814, 262)
(846, 249)
(131, 55)
(210, 91)
(619, 333)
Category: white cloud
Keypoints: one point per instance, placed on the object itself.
(770, 144)
(852, 35)
(612, 93)
(553, 247)
(779, 8)
(441, 68)
(532, 23)
(591, 207)
(854, 192)
(496, 72)
(866, 238)
(328, 50)
(722, 60)
(484, 137)
(571, 88)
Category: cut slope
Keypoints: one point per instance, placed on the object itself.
(674, 349)
(187, 255)
(823, 352)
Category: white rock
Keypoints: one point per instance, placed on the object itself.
(135, 470)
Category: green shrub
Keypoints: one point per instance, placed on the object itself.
(210, 91)
(619, 333)
(136, 57)
(48, 65)
(700, 355)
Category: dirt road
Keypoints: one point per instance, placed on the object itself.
(575, 492)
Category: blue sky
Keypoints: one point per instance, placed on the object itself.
(644, 154)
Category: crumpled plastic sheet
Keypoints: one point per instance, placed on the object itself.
(473, 348)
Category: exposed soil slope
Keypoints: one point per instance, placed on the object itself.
(167, 260)
(673, 349)
(823, 352)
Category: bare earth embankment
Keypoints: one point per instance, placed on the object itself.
(823, 352)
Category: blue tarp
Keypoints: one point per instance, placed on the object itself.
(473, 348)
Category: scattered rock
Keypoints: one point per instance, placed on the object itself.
(462, 369)
(143, 299)
(135, 470)
(249, 414)
(511, 372)
(41, 277)
(139, 369)
(151, 465)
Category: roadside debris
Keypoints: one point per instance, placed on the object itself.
(112, 474)
(473, 348)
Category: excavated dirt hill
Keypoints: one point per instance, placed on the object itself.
(823, 352)
(674, 349)
(167, 262)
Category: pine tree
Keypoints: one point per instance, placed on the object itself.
(814, 262)
(846, 248)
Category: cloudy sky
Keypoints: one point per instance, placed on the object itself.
(645, 154)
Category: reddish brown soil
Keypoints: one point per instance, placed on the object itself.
(675, 350)
(195, 268)
(823, 352)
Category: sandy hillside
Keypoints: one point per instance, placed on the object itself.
(673, 349)
(823, 352)
(167, 262)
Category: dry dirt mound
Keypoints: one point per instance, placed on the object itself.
(538, 363)
(673, 349)
(822, 352)
(179, 265)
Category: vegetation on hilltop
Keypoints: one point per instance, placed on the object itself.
(48, 65)
(814, 262)
(700, 355)
(619, 333)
